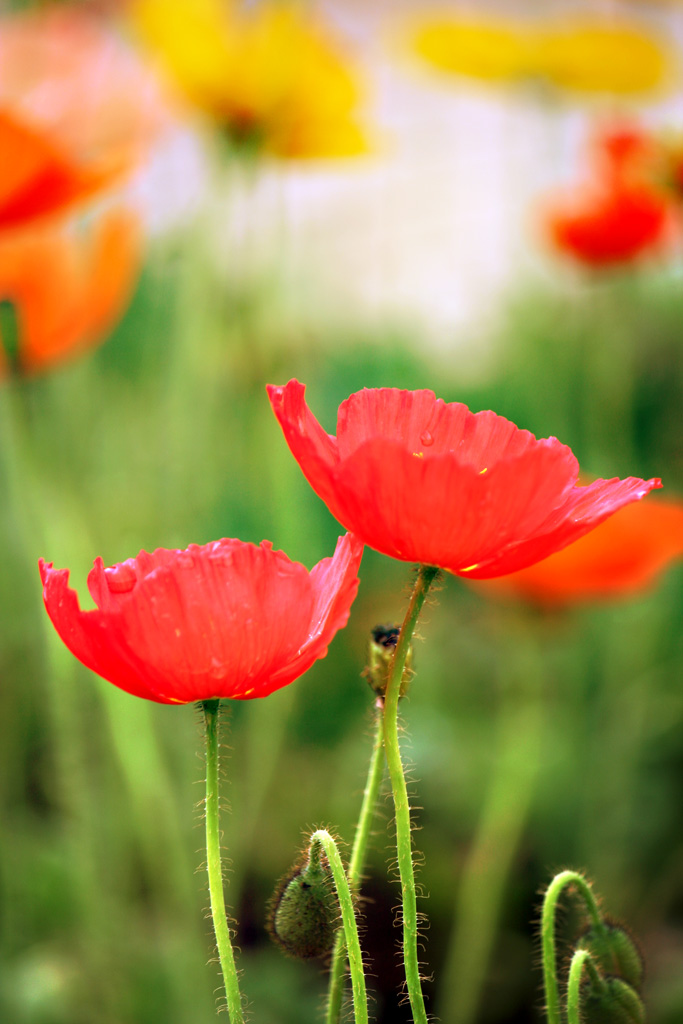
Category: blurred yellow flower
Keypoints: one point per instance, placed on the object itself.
(612, 58)
(590, 56)
(495, 51)
(270, 74)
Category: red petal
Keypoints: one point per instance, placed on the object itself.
(228, 619)
(428, 425)
(427, 481)
(107, 597)
(621, 556)
(315, 451)
(438, 511)
(335, 584)
(585, 509)
(96, 638)
(219, 620)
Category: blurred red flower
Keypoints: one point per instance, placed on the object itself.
(65, 288)
(226, 619)
(428, 481)
(77, 111)
(622, 556)
(621, 212)
(37, 178)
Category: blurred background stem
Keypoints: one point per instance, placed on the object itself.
(487, 868)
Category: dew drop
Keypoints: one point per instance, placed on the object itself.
(426, 439)
(216, 669)
(120, 578)
(185, 560)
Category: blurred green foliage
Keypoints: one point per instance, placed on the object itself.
(538, 742)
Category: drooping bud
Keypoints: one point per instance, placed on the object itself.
(615, 1002)
(304, 911)
(380, 656)
(615, 951)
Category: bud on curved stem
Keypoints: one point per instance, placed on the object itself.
(614, 1003)
(355, 869)
(323, 839)
(600, 1000)
(304, 913)
(582, 958)
(615, 951)
(550, 900)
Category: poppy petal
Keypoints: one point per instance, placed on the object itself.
(226, 619)
(311, 446)
(94, 637)
(335, 584)
(427, 481)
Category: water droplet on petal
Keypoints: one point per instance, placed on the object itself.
(216, 669)
(120, 578)
(426, 439)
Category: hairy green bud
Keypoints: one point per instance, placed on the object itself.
(615, 951)
(304, 910)
(380, 656)
(615, 1002)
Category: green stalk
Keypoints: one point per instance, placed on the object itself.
(574, 986)
(360, 999)
(581, 959)
(560, 882)
(355, 869)
(425, 577)
(213, 864)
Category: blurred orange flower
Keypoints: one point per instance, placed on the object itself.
(63, 288)
(77, 111)
(36, 178)
(270, 73)
(622, 556)
(621, 212)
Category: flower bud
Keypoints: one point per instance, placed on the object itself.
(615, 952)
(380, 656)
(614, 1003)
(304, 911)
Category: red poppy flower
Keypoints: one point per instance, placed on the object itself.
(620, 557)
(605, 226)
(428, 481)
(67, 287)
(77, 110)
(37, 178)
(226, 619)
(621, 213)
